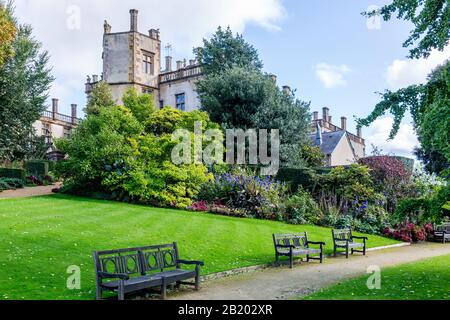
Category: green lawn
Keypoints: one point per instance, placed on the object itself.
(424, 280)
(40, 237)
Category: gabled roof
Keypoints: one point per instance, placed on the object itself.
(330, 140)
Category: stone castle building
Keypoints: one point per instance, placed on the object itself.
(339, 145)
(133, 59)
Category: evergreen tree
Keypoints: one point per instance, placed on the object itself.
(100, 97)
(24, 83)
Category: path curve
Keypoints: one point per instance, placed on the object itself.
(28, 192)
(304, 279)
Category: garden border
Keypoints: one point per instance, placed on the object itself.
(251, 269)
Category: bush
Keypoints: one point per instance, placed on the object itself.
(246, 195)
(407, 232)
(303, 177)
(302, 209)
(12, 173)
(13, 183)
(37, 168)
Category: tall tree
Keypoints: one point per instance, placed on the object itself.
(225, 51)
(100, 97)
(238, 94)
(24, 83)
(8, 32)
(431, 19)
(428, 105)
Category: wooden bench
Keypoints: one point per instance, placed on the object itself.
(442, 232)
(294, 245)
(344, 239)
(135, 269)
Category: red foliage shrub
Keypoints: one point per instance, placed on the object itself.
(386, 168)
(34, 180)
(200, 206)
(407, 232)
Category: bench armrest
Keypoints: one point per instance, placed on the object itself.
(314, 242)
(187, 262)
(120, 276)
(362, 238)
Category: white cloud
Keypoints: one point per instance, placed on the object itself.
(403, 144)
(77, 52)
(403, 73)
(332, 75)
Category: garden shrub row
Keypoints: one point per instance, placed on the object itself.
(12, 173)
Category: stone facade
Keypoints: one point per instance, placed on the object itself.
(54, 125)
(339, 145)
(133, 59)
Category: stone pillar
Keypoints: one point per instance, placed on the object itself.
(315, 115)
(134, 20)
(179, 64)
(168, 63)
(325, 114)
(344, 123)
(74, 113)
(54, 108)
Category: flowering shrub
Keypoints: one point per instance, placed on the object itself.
(245, 194)
(408, 232)
(34, 181)
(200, 206)
(391, 177)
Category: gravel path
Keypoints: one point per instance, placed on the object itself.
(284, 283)
(28, 192)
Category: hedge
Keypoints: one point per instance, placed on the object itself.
(300, 176)
(37, 168)
(12, 173)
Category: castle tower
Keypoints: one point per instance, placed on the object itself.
(131, 59)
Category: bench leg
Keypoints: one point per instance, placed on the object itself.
(334, 251)
(307, 258)
(121, 291)
(197, 277)
(321, 257)
(346, 252)
(277, 259)
(364, 250)
(291, 261)
(99, 293)
(163, 289)
(353, 252)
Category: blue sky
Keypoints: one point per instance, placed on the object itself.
(322, 48)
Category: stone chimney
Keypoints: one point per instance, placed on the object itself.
(344, 123)
(359, 132)
(168, 63)
(191, 62)
(94, 78)
(74, 113)
(134, 20)
(154, 34)
(315, 115)
(54, 108)
(326, 114)
(287, 90)
(179, 64)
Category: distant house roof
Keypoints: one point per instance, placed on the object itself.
(330, 140)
